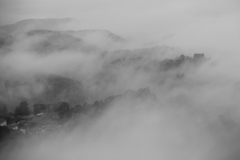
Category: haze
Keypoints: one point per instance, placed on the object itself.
(205, 25)
(165, 71)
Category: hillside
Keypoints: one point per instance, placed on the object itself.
(35, 24)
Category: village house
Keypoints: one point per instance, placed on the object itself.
(198, 56)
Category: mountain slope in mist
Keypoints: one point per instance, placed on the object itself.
(52, 35)
(35, 24)
(48, 41)
(80, 41)
(45, 42)
(141, 103)
(96, 58)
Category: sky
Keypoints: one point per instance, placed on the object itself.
(193, 24)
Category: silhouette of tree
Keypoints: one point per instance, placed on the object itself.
(63, 109)
(3, 108)
(22, 109)
(40, 108)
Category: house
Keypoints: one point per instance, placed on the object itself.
(39, 114)
(198, 56)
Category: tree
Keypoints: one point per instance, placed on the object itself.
(63, 109)
(3, 108)
(22, 109)
(80, 109)
(40, 108)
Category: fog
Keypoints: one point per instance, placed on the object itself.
(166, 106)
(205, 24)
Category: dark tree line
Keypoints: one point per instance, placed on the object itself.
(22, 109)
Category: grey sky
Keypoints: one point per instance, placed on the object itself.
(199, 22)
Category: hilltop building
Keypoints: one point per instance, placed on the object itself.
(198, 56)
